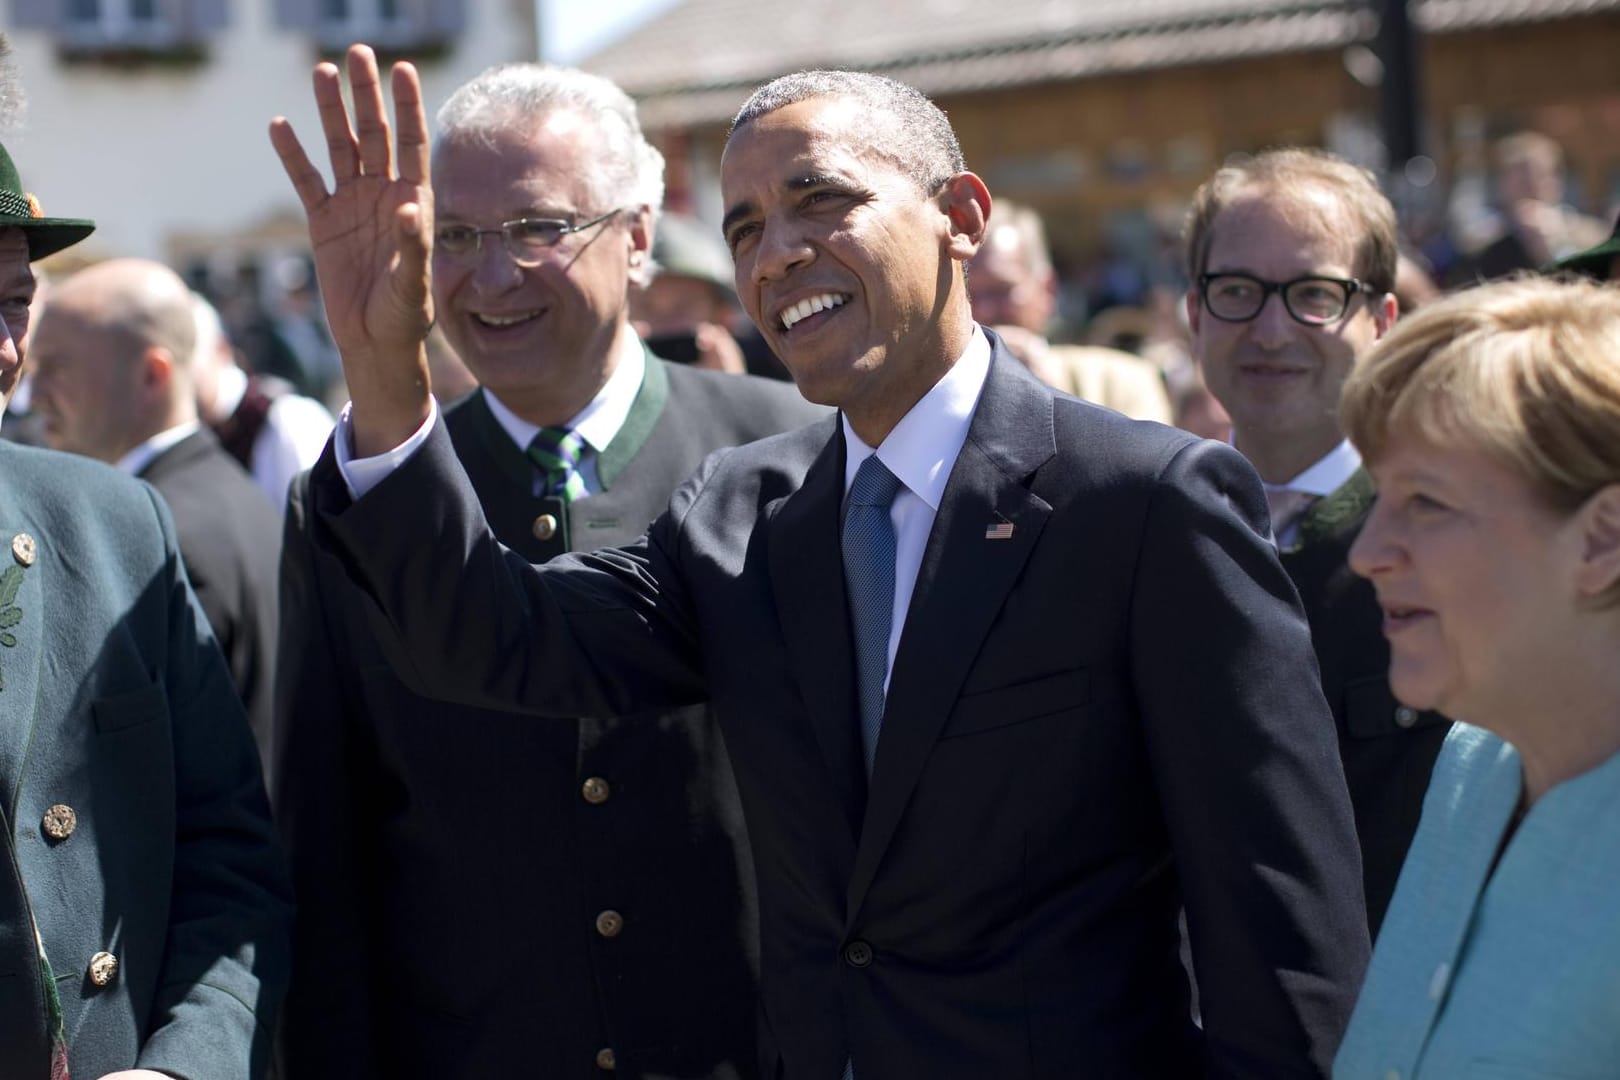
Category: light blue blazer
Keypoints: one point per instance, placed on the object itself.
(1505, 975)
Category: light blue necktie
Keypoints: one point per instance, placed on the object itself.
(557, 451)
(869, 579)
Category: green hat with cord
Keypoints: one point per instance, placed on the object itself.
(20, 210)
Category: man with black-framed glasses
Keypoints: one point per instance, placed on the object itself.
(1292, 259)
(483, 895)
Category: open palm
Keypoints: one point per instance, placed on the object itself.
(371, 237)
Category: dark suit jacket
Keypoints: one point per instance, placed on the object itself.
(1088, 723)
(1388, 750)
(117, 705)
(451, 861)
(230, 539)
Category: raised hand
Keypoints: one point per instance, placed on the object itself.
(372, 240)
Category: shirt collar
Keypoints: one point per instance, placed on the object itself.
(1327, 475)
(598, 422)
(139, 457)
(924, 445)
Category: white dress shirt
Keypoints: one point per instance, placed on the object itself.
(294, 434)
(1323, 478)
(921, 451)
(597, 423)
(141, 456)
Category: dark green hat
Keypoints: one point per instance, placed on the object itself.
(20, 210)
(1594, 261)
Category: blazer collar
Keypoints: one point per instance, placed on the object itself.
(1333, 512)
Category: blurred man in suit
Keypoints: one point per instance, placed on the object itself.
(1292, 259)
(571, 897)
(113, 357)
(1014, 289)
(983, 762)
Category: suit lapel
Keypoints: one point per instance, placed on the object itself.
(964, 578)
(807, 577)
(1329, 514)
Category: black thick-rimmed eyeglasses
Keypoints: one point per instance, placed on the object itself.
(527, 240)
(1312, 300)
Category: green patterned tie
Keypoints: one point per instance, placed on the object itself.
(557, 452)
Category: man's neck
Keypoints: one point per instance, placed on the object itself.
(1279, 461)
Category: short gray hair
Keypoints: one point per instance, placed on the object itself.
(512, 96)
(908, 129)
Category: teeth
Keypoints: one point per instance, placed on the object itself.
(506, 320)
(809, 306)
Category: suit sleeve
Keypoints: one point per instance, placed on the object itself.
(462, 619)
(1245, 755)
(323, 807)
(224, 969)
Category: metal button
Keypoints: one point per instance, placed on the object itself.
(103, 968)
(596, 790)
(23, 549)
(545, 527)
(857, 954)
(1405, 716)
(605, 1059)
(59, 822)
(610, 924)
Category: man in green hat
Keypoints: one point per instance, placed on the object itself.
(144, 912)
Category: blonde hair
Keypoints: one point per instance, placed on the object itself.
(1526, 371)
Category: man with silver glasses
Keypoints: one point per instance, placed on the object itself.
(483, 895)
(1292, 261)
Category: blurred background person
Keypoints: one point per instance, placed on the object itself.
(273, 431)
(685, 313)
(1491, 423)
(1537, 226)
(1014, 291)
(1292, 257)
(112, 358)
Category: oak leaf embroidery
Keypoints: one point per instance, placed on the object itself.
(10, 614)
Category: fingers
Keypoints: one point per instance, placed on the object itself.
(370, 117)
(410, 231)
(335, 122)
(411, 122)
(306, 180)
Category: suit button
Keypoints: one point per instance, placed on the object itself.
(1405, 716)
(605, 1059)
(596, 790)
(23, 549)
(103, 968)
(59, 822)
(857, 954)
(545, 527)
(610, 924)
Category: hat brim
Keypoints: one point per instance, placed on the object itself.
(1594, 261)
(47, 236)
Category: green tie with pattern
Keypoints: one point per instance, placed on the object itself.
(557, 452)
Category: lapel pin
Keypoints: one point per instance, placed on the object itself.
(23, 549)
(999, 530)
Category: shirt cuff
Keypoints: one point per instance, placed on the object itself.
(360, 475)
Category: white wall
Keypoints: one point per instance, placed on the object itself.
(154, 152)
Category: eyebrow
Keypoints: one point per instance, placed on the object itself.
(802, 182)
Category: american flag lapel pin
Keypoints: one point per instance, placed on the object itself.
(1000, 529)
